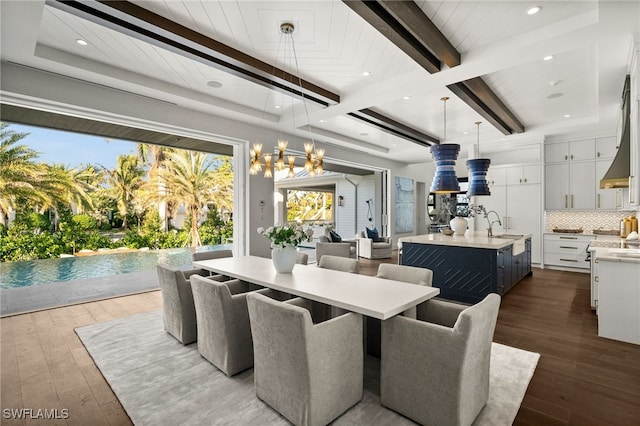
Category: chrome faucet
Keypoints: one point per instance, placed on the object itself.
(490, 229)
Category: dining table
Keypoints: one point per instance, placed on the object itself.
(371, 296)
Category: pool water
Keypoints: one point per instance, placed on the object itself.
(36, 272)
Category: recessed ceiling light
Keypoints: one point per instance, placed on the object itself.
(277, 106)
(406, 98)
(214, 84)
(533, 10)
(81, 42)
(555, 95)
(366, 73)
(322, 121)
(364, 134)
(548, 57)
(567, 115)
(465, 133)
(555, 82)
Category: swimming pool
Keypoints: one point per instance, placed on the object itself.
(44, 271)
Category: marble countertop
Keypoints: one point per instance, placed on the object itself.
(616, 254)
(469, 239)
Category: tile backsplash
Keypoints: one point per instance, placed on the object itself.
(588, 220)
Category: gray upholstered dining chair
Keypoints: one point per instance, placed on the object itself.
(207, 255)
(309, 372)
(339, 263)
(178, 311)
(224, 335)
(407, 274)
(302, 259)
(435, 369)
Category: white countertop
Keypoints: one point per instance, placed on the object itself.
(616, 254)
(469, 239)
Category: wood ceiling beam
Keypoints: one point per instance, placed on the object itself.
(393, 127)
(479, 96)
(379, 17)
(145, 25)
(413, 19)
(406, 25)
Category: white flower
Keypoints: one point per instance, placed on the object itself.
(261, 230)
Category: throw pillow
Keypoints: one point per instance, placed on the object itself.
(373, 234)
(335, 238)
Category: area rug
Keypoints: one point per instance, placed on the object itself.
(161, 382)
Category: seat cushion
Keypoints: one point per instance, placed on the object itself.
(381, 245)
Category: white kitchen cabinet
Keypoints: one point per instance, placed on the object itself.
(606, 199)
(634, 179)
(567, 250)
(518, 207)
(518, 175)
(606, 147)
(570, 151)
(570, 186)
(619, 299)
(497, 176)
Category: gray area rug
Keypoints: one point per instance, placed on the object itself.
(160, 382)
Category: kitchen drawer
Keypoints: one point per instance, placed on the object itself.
(566, 246)
(568, 237)
(569, 260)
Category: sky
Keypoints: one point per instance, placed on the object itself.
(73, 149)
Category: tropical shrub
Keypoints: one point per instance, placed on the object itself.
(84, 222)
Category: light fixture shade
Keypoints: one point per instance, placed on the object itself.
(478, 168)
(445, 180)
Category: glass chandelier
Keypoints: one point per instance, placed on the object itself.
(313, 157)
(445, 180)
(478, 168)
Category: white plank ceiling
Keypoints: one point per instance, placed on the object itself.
(590, 42)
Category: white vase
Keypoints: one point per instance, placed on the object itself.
(284, 258)
(459, 225)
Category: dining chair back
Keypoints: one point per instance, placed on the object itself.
(310, 372)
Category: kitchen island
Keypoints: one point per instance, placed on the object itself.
(618, 293)
(468, 267)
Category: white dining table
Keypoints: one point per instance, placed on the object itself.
(366, 295)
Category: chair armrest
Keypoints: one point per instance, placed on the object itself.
(440, 312)
(411, 338)
(336, 345)
(274, 294)
(237, 286)
(202, 272)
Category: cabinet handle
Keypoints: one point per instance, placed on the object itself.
(504, 222)
(568, 238)
(631, 190)
(597, 201)
(598, 155)
(520, 180)
(525, 180)
(569, 247)
(566, 157)
(568, 260)
(571, 200)
(572, 156)
(566, 201)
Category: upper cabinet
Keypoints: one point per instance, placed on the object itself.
(606, 147)
(519, 175)
(570, 151)
(634, 179)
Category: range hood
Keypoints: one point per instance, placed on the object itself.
(618, 174)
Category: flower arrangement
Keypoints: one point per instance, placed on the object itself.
(286, 235)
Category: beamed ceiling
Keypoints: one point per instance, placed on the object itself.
(225, 58)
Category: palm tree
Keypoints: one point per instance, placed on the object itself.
(72, 186)
(20, 176)
(189, 181)
(124, 180)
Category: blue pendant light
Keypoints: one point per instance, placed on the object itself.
(445, 180)
(478, 168)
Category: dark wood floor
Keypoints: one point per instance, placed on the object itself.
(581, 379)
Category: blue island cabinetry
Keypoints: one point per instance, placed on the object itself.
(468, 274)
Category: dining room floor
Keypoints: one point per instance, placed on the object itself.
(581, 379)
